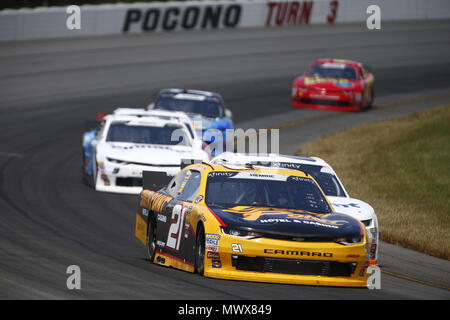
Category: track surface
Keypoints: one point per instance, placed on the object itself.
(50, 220)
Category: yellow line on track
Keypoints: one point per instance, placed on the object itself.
(426, 283)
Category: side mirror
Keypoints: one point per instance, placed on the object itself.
(151, 106)
(228, 113)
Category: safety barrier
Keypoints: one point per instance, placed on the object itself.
(61, 22)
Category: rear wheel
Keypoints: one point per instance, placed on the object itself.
(84, 175)
(151, 239)
(200, 250)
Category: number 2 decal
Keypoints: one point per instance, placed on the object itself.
(176, 227)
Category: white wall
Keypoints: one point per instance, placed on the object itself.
(44, 23)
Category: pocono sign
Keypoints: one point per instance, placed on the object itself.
(182, 17)
(196, 15)
(125, 18)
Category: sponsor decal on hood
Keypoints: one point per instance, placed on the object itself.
(288, 221)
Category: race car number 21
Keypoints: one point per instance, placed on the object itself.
(176, 227)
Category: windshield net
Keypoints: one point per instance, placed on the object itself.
(167, 135)
(266, 190)
(206, 108)
(332, 70)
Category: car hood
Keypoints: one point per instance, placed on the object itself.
(332, 84)
(287, 222)
(356, 208)
(148, 153)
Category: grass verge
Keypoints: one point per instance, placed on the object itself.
(402, 168)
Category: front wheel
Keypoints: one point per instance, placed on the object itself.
(200, 251)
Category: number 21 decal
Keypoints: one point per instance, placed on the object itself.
(176, 227)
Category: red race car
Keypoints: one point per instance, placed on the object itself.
(335, 85)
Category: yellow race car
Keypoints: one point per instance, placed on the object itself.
(250, 223)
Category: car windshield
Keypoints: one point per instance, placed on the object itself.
(332, 70)
(166, 135)
(207, 108)
(264, 190)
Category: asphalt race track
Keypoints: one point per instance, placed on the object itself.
(50, 220)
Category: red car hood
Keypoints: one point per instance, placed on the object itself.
(332, 84)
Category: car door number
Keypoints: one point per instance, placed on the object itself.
(176, 227)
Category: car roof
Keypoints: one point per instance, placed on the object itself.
(141, 112)
(340, 61)
(210, 167)
(240, 158)
(191, 93)
(144, 120)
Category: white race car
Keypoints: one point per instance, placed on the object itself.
(325, 177)
(131, 141)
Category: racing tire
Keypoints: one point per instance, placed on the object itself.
(94, 174)
(200, 251)
(84, 176)
(151, 239)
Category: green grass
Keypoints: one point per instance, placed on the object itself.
(402, 168)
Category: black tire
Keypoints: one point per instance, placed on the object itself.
(200, 251)
(94, 174)
(84, 176)
(151, 239)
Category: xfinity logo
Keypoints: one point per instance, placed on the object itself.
(298, 253)
(190, 17)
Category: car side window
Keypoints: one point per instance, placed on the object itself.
(190, 186)
(175, 184)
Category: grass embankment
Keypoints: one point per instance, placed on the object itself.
(402, 168)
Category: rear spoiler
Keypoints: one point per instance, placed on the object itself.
(188, 162)
(92, 124)
(155, 180)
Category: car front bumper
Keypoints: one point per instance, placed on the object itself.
(292, 262)
(329, 100)
(126, 178)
